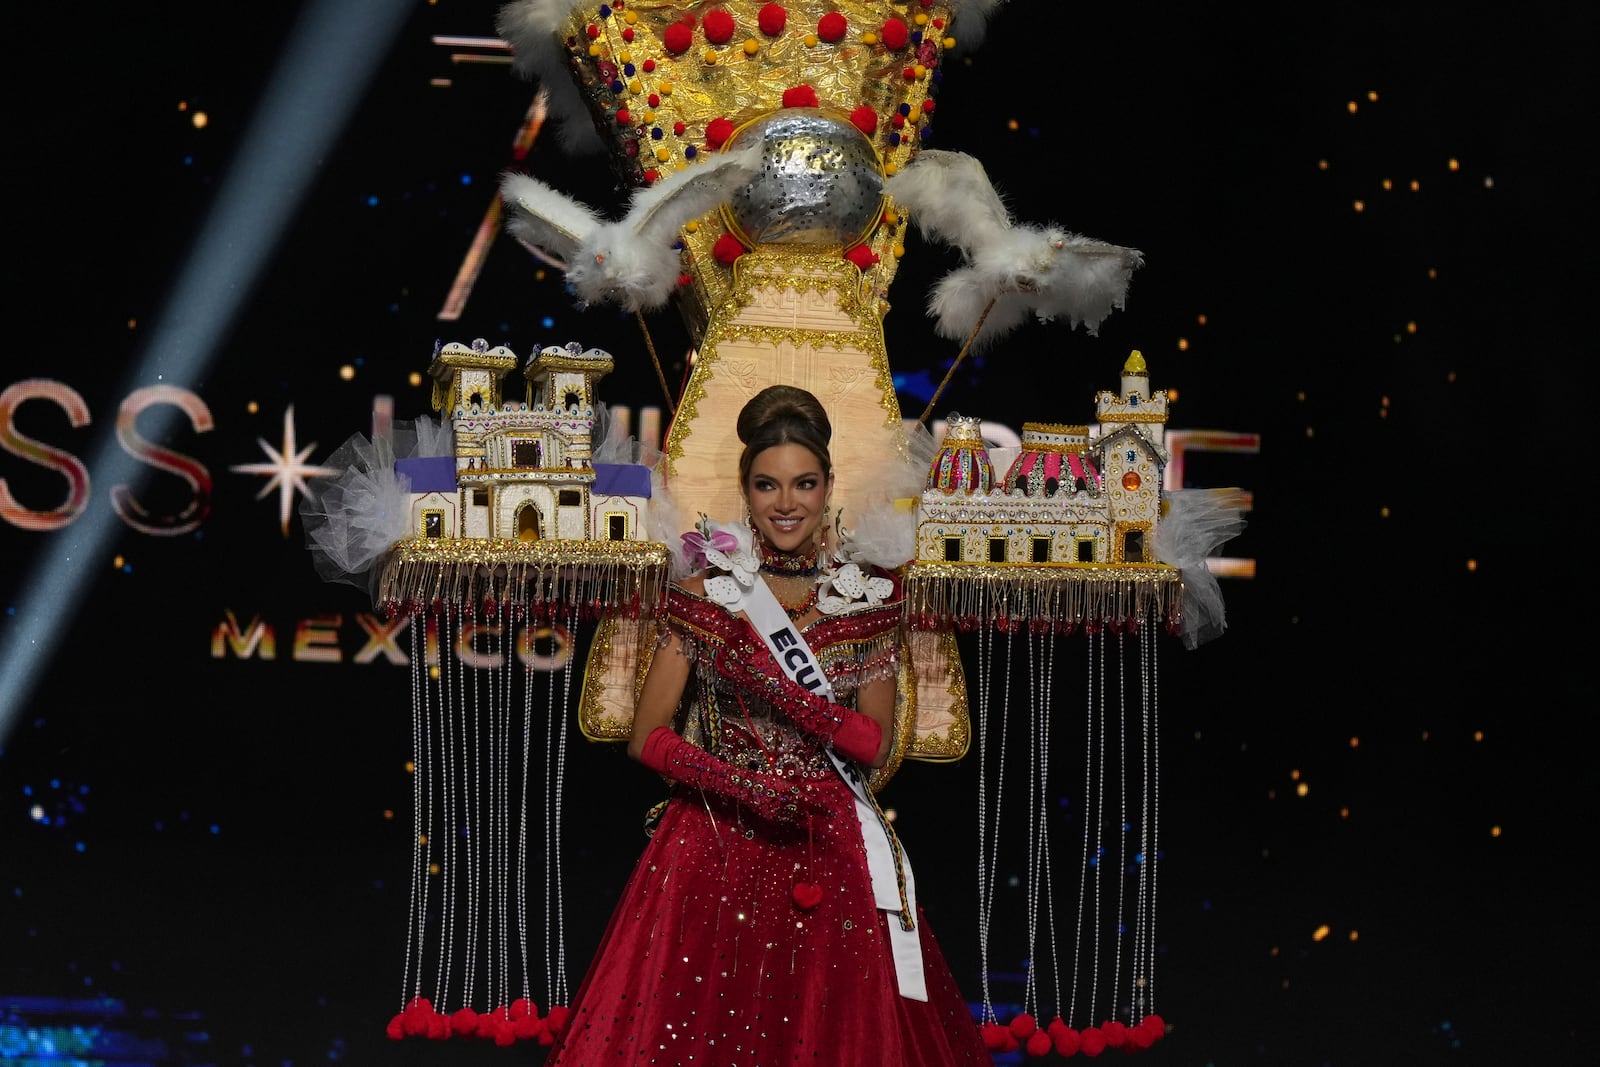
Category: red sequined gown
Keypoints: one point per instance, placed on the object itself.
(707, 960)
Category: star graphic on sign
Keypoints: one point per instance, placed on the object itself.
(288, 470)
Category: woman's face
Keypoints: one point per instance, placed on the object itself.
(788, 495)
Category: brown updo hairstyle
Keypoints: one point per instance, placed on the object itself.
(783, 414)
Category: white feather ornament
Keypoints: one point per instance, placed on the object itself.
(1012, 271)
(631, 262)
(533, 30)
(1196, 523)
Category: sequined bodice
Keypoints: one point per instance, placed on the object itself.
(734, 721)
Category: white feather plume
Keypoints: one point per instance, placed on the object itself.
(1196, 523)
(1012, 271)
(969, 19)
(632, 261)
(545, 218)
(533, 30)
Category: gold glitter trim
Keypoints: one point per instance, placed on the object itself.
(776, 269)
(542, 363)
(932, 746)
(621, 642)
(591, 575)
(939, 594)
(1053, 427)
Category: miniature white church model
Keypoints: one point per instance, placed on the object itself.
(523, 470)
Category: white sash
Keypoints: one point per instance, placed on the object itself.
(789, 647)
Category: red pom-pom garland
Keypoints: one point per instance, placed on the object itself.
(800, 96)
(772, 19)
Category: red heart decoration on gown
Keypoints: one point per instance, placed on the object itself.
(807, 896)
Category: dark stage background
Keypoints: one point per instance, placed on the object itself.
(208, 854)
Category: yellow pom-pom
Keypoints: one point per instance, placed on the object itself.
(889, 168)
(898, 250)
(811, 40)
(624, 56)
(631, 17)
(648, 116)
(663, 154)
(869, 38)
(921, 70)
(710, 58)
(751, 46)
(922, 18)
(891, 216)
(691, 226)
(636, 86)
(915, 115)
(948, 42)
(665, 88)
(594, 49)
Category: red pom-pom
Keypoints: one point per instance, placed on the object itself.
(862, 256)
(727, 249)
(627, 34)
(556, 1020)
(415, 1023)
(677, 38)
(994, 1036)
(1009, 1042)
(464, 1021)
(865, 119)
(522, 1006)
(772, 19)
(623, 117)
(928, 106)
(592, 31)
(800, 96)
(909, 74)
(831, 27)
(806, 896)
(717, 132)
(1116, 1033)
(1067, 1040)
(1093, 1041)
(895, 34)
(419, 1006)
(439, 1028)
(1038, 1044)
(651, 176)
(1155, 1024)
(685, 280)
(490, 1025)
(718, 25)
(396, 1028)
(1024, 1024)
(527, 1028)
(649, 66)
(1139, 1038)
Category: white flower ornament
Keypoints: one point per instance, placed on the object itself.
(849, 587)
(730, 548)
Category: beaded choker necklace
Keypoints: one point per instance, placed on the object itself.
(800, 563)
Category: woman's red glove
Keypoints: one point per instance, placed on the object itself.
(773, 798)
(852, 734)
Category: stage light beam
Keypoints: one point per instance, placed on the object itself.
(332, 53)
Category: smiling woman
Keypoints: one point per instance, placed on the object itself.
(774, 911)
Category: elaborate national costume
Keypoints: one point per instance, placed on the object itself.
(753, 929)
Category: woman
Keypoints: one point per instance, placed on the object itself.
(772, 917)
